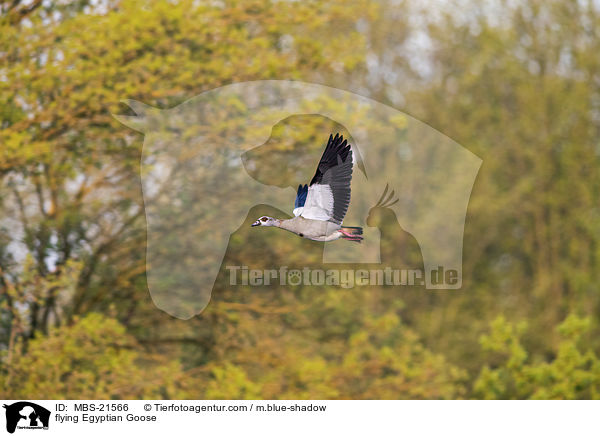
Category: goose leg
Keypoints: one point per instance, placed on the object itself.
(350, 236)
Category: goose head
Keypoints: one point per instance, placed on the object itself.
(265, 221)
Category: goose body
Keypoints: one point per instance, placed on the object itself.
(320, 207)
(312, 229)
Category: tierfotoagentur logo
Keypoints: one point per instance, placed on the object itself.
(345, 278)
(25, 415)
(209, 162)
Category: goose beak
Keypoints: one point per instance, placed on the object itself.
(255, 223)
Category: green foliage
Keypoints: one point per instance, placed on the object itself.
(382, 360)
(92, 358)
(573, 373)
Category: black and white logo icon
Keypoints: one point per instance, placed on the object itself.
(26, 415)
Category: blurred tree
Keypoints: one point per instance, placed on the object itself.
(70, 183)
(517, 84)
(92, 358)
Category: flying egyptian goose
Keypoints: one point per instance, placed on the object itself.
(321, 206)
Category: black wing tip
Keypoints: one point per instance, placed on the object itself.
(336, 152)
(338, 145)
(338, 140)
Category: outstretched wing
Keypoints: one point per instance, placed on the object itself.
(300, 199)
(329, 191)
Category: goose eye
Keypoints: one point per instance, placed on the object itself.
(263, 219)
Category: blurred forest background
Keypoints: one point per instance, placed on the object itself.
(515, 82)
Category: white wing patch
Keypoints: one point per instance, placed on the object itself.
(319, 203)
(298, 211)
